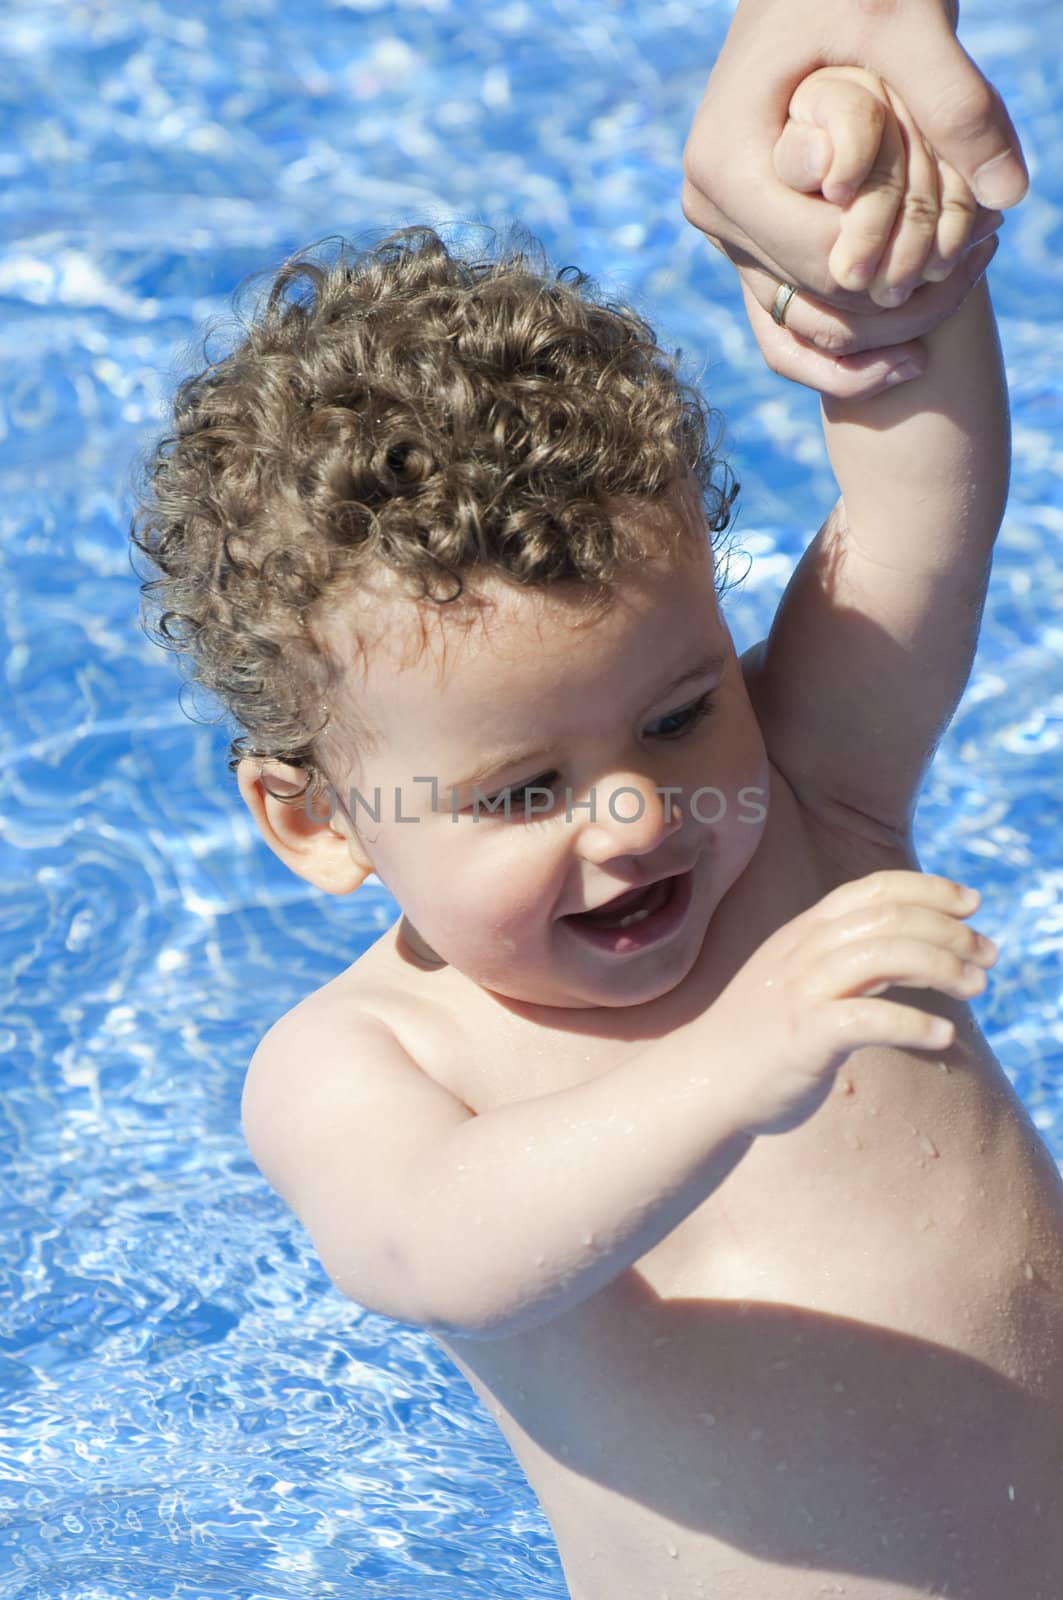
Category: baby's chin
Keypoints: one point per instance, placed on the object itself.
(617, 990)
(624, 989)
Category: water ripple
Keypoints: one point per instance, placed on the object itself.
(189, 1408)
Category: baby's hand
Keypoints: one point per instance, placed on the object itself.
(804, 1002)
(908, 216)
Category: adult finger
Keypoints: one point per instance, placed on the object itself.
(730, 189)
(847, 377)
(816, 225)
(958, 111)
(839, 334)
(956, 222)
(868, 222)
(900, 268)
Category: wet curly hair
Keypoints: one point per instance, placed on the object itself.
(444, 417)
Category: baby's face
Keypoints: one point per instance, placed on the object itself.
(626, 748)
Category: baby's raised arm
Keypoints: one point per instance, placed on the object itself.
(873, 640)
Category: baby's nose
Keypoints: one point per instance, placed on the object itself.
(625, 815)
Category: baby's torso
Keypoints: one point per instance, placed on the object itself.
(843, 1372)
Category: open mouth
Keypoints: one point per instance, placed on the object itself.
(637, 919)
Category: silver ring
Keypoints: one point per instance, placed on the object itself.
(781, 304)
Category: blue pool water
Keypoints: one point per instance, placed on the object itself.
(187, 1407)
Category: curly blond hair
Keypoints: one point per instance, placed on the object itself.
(445, 417)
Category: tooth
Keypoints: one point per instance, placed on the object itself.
(635, 916)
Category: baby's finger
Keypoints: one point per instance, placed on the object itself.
(893, 884)
(956, 221)
(802, 157)
(900, 270)
(868, 222)
(843, 101)
(887, 1022)
(876, 965)
(893, 920)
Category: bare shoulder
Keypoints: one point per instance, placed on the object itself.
(338, 1118)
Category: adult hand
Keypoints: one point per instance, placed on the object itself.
(734, 194)
(852, 357)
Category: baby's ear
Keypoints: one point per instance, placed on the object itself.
(306, 835)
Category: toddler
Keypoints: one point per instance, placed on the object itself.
(661, 1106)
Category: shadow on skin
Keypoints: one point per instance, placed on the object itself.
(875, 1429)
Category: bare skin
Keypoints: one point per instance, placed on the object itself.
(731, 162)
(842, 1363)
(762, 1285)
(843, 1372)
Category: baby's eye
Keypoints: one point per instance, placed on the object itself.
(677, 723)
(518, 798)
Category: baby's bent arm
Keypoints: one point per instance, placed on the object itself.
(480, 1226)
(487, 1226)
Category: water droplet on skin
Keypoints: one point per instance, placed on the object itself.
(925, 1223)
(854, 1141)
(707, 1418)
(1026, 1214)
(1027, 1268)
(839, 1387)
(782, 1466)
(781, 1366)
(672, 1551)
(539, 1260)
(594, 1555)
(756, 1434)
(946, 1069)
(928, 1145)
(845, 1085)
(588, 1238)
(665, 1338)
(1011, 1491)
